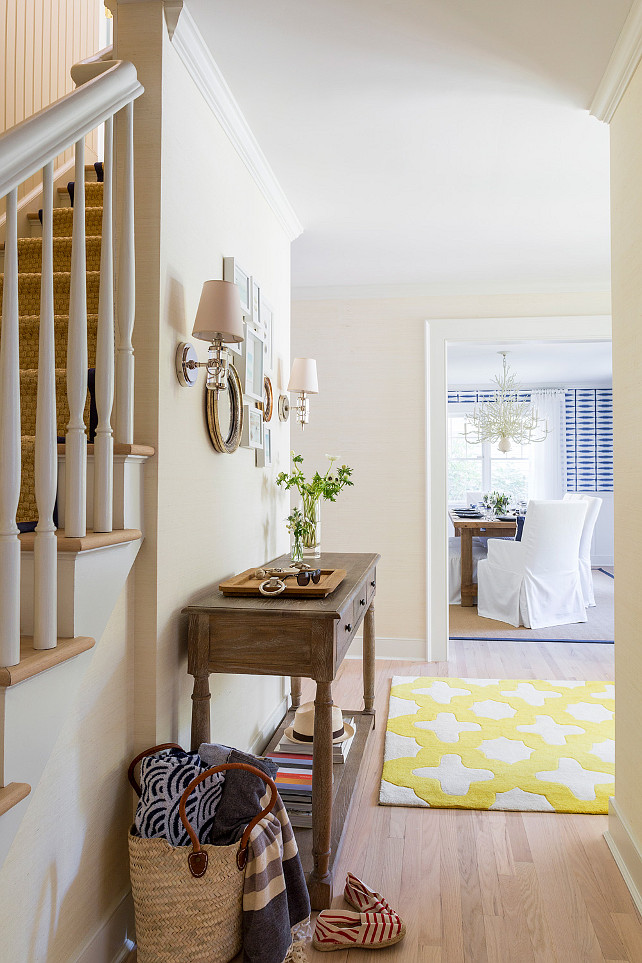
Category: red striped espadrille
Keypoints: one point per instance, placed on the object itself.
(364, 899)
(340, 930)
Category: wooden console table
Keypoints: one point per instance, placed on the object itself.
(300, 638)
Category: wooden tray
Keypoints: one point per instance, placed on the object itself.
(246, 584)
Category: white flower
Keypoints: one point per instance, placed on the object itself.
(333, 458)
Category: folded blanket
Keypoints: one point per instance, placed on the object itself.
(241, 798)
(163, 778)
(275, 896)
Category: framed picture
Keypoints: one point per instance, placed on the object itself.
(266, 316)
(256, 304)
(232, 271)
(264, 454)
(252, 434)
(250, 364)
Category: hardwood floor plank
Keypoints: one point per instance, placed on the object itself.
(535, 919)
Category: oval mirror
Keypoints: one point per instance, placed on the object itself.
(224, 411)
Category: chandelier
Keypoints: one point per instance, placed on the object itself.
(505, 418)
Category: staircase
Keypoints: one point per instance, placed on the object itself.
(58, 586)
(29, 283)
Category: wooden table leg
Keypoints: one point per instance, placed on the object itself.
(198, 651)
(295, 691)
(320, 879)
(468, 587)
(369, 659)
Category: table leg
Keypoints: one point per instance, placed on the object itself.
(320, 879)
(198, 650)
(369, 659)
(468, 587)
(295, 691)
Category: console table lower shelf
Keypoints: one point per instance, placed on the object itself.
(345, 778)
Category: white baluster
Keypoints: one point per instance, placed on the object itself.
(11, 446)
(76, 439)
(104, 442)
(46, 461)
(126, 289)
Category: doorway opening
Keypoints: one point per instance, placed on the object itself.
(461, 353)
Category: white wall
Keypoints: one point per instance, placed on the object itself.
(371, 410)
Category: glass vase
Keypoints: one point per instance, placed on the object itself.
(296, 548)
(311, 509)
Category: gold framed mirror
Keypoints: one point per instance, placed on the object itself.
(224, 411)
(268, 399)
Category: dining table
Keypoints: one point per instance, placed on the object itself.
(466, 529)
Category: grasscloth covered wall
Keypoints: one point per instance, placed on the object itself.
(371, 410)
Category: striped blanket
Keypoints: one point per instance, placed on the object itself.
(275, 897)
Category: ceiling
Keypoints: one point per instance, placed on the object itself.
(563, 364)
(442, 145)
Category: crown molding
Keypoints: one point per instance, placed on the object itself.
(190, 46)
(625, 58)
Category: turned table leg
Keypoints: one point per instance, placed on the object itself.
(295, 691)
(198, 650)
(468, 587)
(369, 659)
(320, 879)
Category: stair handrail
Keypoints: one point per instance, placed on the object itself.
(106, 87)
(27, 147)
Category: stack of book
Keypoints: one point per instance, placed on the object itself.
(294, 778)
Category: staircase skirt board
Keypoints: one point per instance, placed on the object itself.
(12, 794)
(33, 661)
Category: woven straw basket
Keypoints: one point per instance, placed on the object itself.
(188, 899)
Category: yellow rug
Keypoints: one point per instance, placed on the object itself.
(520, 744)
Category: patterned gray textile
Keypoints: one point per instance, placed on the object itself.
(275, 896)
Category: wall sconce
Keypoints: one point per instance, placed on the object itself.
(219, 319)
(303, 378)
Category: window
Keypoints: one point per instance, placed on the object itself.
(482, 467)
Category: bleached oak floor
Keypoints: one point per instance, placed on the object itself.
(486, 886)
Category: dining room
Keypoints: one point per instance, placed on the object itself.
(530, 491)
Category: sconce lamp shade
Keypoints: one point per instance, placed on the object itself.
(219, 316)
(303, 376)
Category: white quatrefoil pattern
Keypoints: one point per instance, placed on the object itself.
(522, 744)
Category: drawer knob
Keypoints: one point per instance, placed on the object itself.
(362, 601)
(373, 583)
(349, 627)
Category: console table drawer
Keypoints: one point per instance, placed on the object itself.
(371, 585)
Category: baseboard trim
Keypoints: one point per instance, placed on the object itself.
(406, 650)
(626, 852)
(113, 942)
(267, 730)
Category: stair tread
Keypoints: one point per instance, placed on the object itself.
(12, 794)
(84, 543)
(37, 241)
(34, 661)
(35, 216)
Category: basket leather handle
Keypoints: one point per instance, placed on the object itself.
(197, 859)
(141, 755)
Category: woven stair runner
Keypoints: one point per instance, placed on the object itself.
(29, 279)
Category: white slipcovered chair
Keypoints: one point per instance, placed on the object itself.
(536, 582)
(454, 565)
(592, 511)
